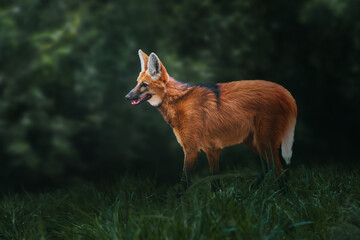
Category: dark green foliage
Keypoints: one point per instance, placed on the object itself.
(322, 203)
(66, 66)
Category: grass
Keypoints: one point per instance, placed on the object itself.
(321, 203)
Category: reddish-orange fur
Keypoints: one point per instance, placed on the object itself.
(255, 112)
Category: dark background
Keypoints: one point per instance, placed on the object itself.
(65, 67)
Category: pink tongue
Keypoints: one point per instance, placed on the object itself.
(134, 102)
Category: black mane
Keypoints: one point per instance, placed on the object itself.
(214, 87)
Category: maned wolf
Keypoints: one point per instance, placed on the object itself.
(259, 113)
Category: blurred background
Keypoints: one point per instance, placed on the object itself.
(66, 65)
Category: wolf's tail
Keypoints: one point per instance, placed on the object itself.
(287, 142)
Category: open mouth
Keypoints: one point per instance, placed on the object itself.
(141, 100)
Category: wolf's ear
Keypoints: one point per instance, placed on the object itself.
(154, 65)
(143, 60)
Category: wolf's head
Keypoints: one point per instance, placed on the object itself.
(151, 83)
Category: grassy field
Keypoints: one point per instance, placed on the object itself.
(321, 203)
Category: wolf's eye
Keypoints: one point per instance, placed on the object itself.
(144, 85)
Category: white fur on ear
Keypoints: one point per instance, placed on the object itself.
(154, 66)
(142, 62)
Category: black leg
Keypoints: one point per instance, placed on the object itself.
(283, 182)
(257, 181)
(213, 156)
(185, 180)
(215, 185)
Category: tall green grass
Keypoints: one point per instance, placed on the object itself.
(321, 203)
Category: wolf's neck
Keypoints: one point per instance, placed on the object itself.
(175, 91)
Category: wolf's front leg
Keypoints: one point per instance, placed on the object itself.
(213, 156)
(191, 155)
